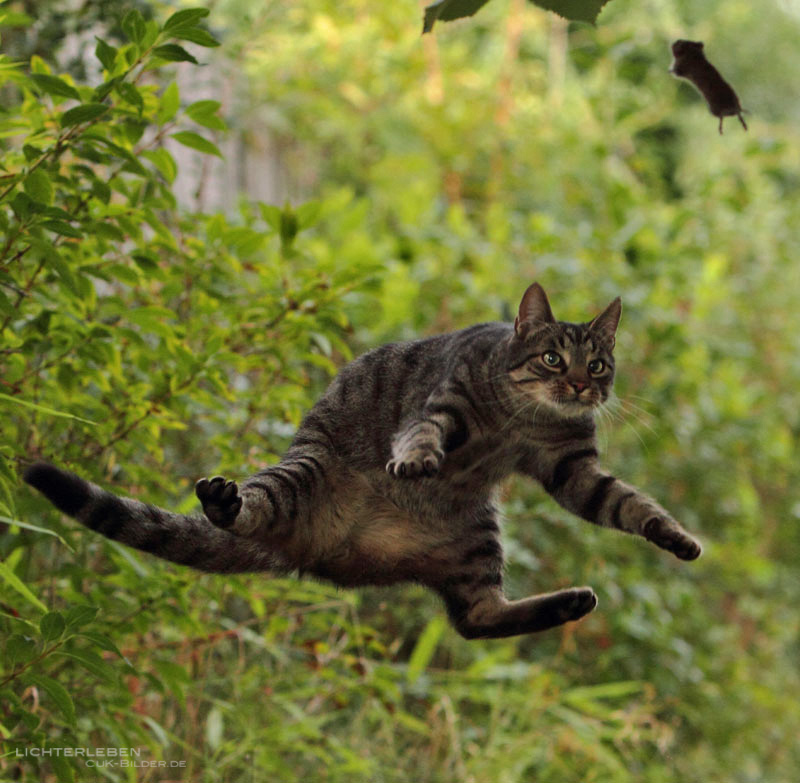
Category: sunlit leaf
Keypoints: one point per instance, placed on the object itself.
(196, 142)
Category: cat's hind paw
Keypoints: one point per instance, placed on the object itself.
(220, 499)
(415, 463)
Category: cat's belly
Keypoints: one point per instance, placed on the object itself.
(380, 541)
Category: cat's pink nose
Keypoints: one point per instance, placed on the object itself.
(579, 386)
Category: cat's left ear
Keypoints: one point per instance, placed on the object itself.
(606, 323)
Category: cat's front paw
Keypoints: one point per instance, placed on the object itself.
(415, 462)
(220, 499)
(669, 535)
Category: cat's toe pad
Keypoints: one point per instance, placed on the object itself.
(220, 499)
(415, 462)
(670, 536)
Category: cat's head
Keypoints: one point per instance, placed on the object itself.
(568, 369)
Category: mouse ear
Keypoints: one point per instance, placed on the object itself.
(533, 309)
(605, 325)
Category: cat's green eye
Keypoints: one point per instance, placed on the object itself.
(551, 358)
(596, 366)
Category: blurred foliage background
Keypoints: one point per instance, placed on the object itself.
(146, 340)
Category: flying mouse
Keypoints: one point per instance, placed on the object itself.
(690, 63)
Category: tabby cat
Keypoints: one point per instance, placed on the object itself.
(393, 474)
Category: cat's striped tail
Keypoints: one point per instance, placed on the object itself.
(188, 540)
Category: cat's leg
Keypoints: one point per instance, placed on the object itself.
(417, 450)
(482, 611)
(270, 504)
(447, 419)
(575, 480)
(471, 584)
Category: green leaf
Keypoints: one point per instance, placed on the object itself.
(164, 162)
(52, 625)
(133, 26)
(43, 408)
(425, 647)
(80, 615)
(130, 94)
(24, 206)
(447, 10)
(39, 187)
(64, 770)
(5, 303)
(188, 17)
(169, 104)
(153, 319)
(106, 53)
(53, 85)
(18, 649)
(102, 91)
(92, 662)
(16, 19)
(35, 529)
(84, 113)
(205, 113)
(57, 692)
(104, 643)
(173, 53)
(308, 214)
(31, 153)
(197, 36)
(288, 225)
(14, 582)
(574, 10)
(271, 215)
(196, 142)
(63, 228)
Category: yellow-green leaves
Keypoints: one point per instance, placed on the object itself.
(196, 142)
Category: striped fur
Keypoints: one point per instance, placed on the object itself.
(393, 473)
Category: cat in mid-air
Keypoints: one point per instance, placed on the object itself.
(393, 474)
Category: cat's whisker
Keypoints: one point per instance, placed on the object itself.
(632, 412)
(615, 414)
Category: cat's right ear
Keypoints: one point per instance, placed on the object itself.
(534, 309)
